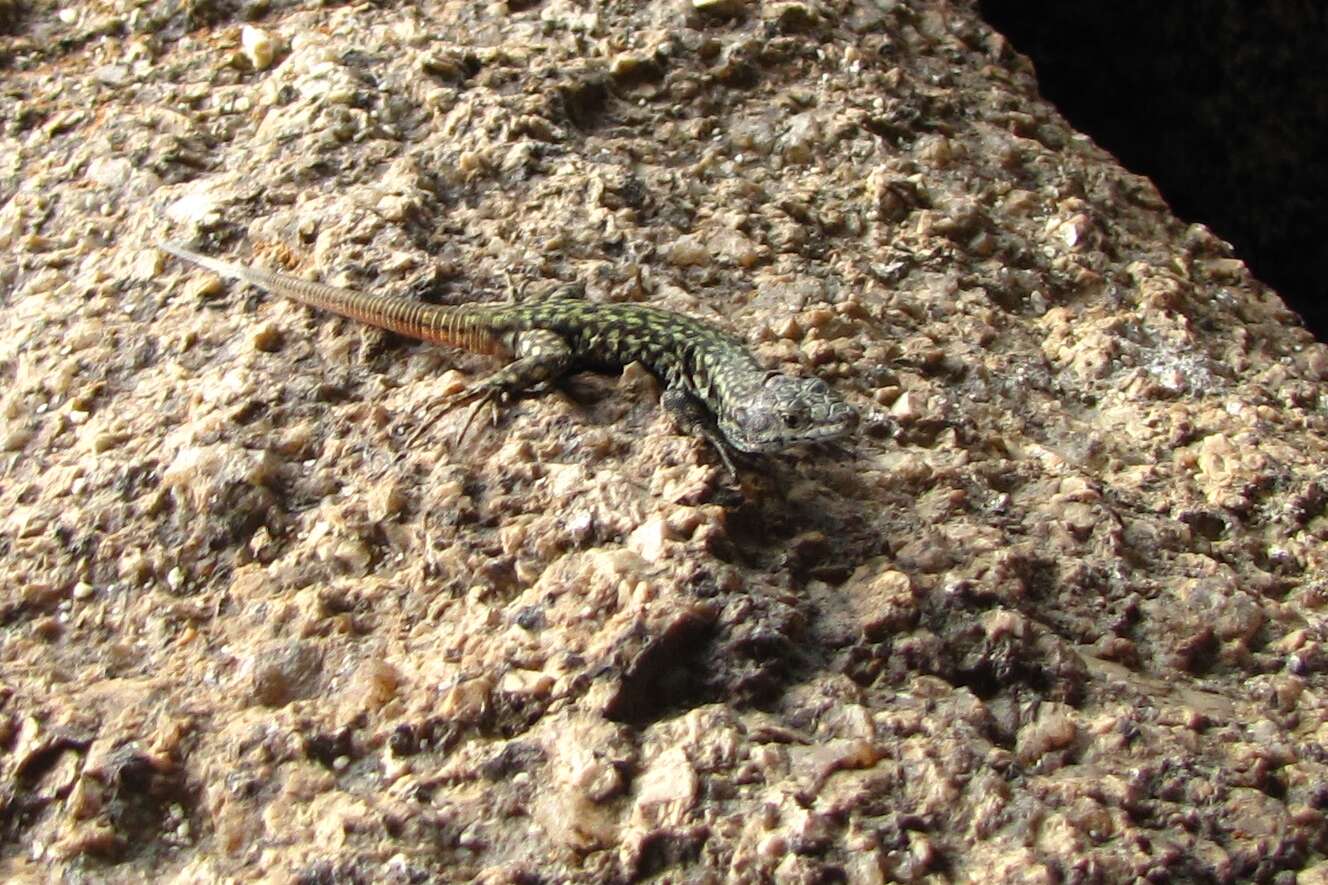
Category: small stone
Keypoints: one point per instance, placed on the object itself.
(632, 66)
(47, 629)
(649, 538)
(720, 7)
(772, 847)
(907, 407)
(386, 500)
(667, 789)
(104, 442)
(442, 65)
(1054, 729)
(258, 47)
(109, 171)
(787, 328)
(802, 135)
(112, 75)
(689, 251)
(133, 566)
(736, 247)
(1079, 520)
(819, 352)
(375, 683)
(17, 438)
(526, 683)
(266, 338)
(937, 151)
(884, 603)
(209, 285)
(283, 672)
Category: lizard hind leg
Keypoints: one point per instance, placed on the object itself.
(478, 395)
(542, 356)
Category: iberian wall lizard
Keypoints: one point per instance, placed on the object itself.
(713, 385)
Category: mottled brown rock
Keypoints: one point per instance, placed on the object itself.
(1053, 614)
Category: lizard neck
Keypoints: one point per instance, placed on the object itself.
(725, 378)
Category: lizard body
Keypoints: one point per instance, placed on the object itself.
(713, 384)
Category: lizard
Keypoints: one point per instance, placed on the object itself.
(713, 384)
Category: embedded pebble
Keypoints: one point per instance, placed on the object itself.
(267, 337)
(689, 251)
(258, 47)
(16, 438)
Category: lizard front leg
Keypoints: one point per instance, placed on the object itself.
(692, 417)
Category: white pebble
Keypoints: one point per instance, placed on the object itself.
(258, 47)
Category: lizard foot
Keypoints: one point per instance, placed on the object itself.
(486, 397)
(478, 396)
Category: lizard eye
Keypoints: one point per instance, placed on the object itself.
(792, 422)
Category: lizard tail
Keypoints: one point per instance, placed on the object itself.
(458, 327)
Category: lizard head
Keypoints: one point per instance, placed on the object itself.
(786, 411)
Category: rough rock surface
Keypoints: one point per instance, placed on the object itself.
(1218, 99)
(1056, 613)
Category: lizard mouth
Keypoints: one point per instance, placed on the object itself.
(841, 422)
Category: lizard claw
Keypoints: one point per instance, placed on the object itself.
(431, 414)
(484, 397)
(724, 456)
(478, 395)
(442, 407)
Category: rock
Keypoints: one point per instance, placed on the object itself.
(1053, 613)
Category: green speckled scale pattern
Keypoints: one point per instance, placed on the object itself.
(711, 364)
